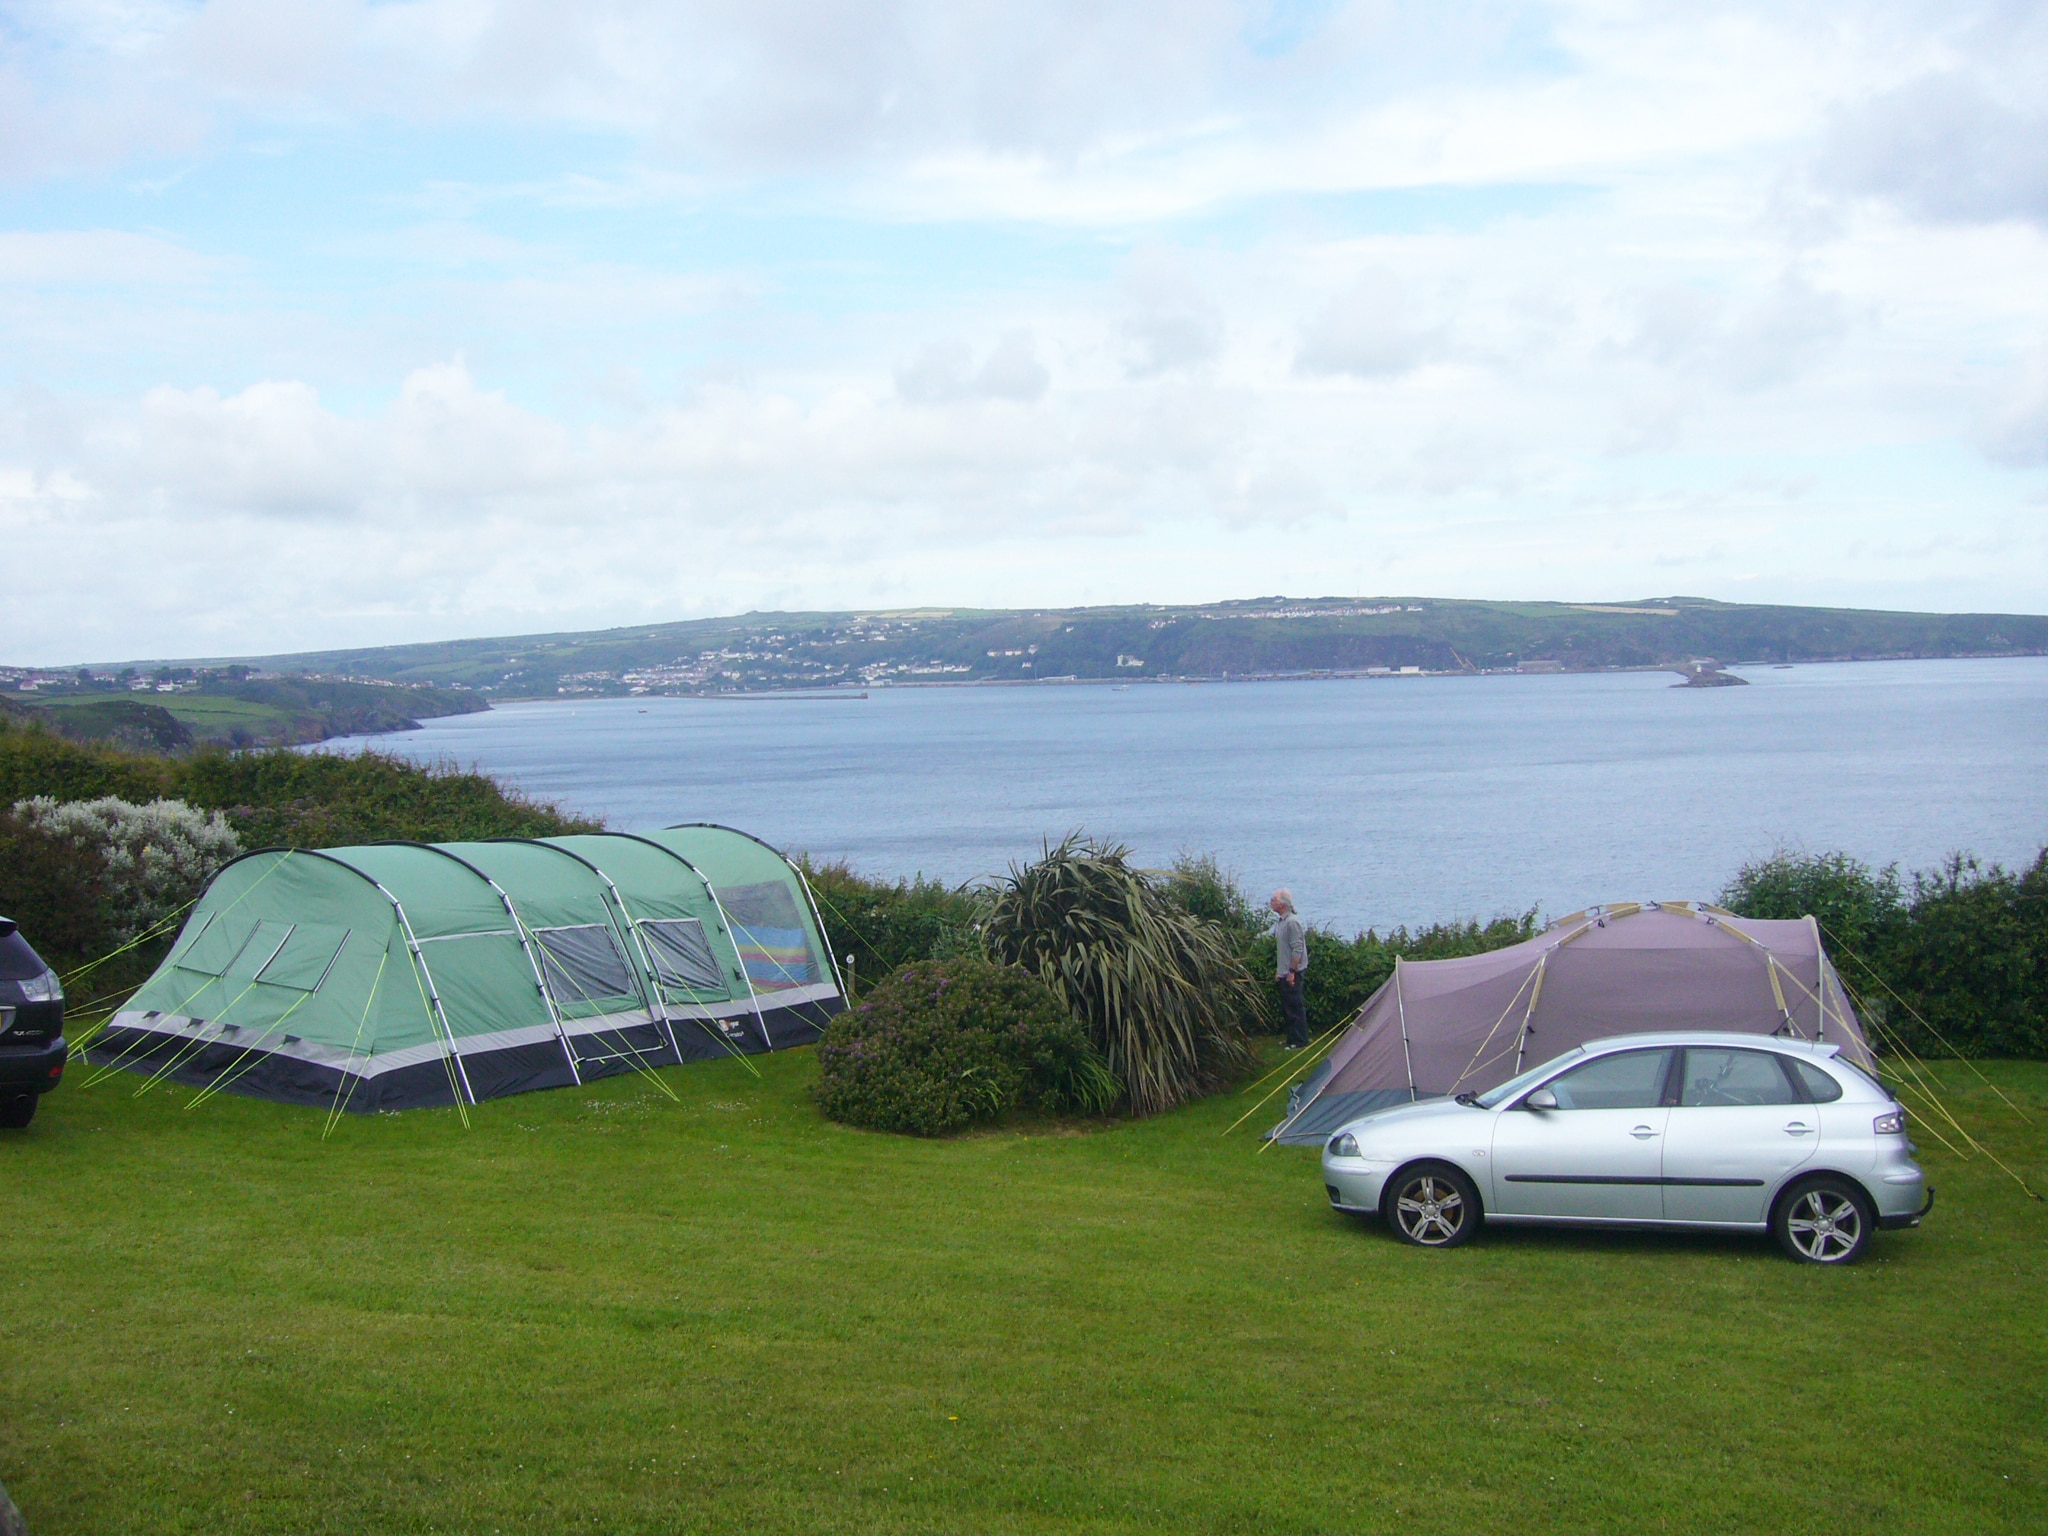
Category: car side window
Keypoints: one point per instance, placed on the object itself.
(1722, 1077)
(1819, 1086)
(1625, 1080)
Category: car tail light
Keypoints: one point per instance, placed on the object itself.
(42, 989)
(1890, 1124)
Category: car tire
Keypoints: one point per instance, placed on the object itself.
(1824, 1220)
(1431, 1205)
(17, 1110)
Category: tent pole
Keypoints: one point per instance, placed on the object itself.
(540, 984)
(717, 1030)
(650, 978)
(1820, 975)
(1401, 1008)
(433, 992)
(745, 975)
(1778, 992)
(819, 918)
(1522, 1045)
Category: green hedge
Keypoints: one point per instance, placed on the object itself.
(944, 1044)
(886, 924)
(271, 798)
(281, 797)
(1952, 960)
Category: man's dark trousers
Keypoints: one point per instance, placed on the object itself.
(1293, 1009)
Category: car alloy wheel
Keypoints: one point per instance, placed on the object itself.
(1433, 1206)
(1824, 1222)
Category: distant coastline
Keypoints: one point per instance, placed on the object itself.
(837, 655)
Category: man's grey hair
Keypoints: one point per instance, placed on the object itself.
(1285, 897)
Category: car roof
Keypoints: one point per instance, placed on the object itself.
(1817, 1048)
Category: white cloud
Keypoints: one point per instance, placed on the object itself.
(1944, 148)
(545, 315)
(1376, 329)
(945, 371)
(269, 449)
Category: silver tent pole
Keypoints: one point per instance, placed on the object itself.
(1401, 1008)
(755, 997)
(819, 918)
(540, 983)
(433, 992)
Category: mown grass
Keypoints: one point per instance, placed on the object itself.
(600, 1310)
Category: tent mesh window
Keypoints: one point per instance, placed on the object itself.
(682, 954)
(769, 932)
(305, 958)
(583, 963)
(216, 946)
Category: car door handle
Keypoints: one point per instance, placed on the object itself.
(1798, 1128)
(1642, 1133)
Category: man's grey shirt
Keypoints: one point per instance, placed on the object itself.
(1290, 944)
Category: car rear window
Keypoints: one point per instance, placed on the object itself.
(1819, 1086)
(17, 961)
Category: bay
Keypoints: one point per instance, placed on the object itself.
(1378, 801)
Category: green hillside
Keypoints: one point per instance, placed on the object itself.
(1257, 637)
(217, 708)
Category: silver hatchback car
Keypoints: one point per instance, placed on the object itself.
(1739, 1132)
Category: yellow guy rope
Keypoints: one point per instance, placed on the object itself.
(234, 1069)
(340, 1101)
(435, 1025)
(1308, 1056)
(1922, 1022)
(1918, 1071)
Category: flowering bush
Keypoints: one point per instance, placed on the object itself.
(943, 1044)
(153, 859)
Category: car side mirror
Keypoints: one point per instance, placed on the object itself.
(1542, 1098)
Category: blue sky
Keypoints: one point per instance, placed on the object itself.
(349, 323)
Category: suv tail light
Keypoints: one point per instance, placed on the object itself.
(1891, 1124)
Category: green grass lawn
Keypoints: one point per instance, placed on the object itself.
(601, 1310)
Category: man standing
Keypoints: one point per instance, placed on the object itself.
(1290, 960)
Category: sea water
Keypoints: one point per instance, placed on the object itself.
(1378, 801)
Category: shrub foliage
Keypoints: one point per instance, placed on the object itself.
(883, 925)
(1953, 961)
(943, 1044)
(280, 797)
(1164, 993)
(151, 860)
(58, 883)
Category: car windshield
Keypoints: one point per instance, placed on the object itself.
(1514, 1085)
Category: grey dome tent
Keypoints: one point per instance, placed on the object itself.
(401, 974)
(1439, 1027)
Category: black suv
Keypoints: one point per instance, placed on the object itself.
(32, 1048)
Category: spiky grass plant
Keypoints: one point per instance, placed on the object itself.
(1162, 991)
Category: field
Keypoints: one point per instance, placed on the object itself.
(604, 1310)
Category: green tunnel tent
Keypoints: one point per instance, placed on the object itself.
(402, 974)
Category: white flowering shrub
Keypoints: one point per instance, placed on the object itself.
(154, 858)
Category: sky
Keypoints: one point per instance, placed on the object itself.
(342, 323)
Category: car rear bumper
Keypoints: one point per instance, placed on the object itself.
(33, 1069)
(1910, 1218)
